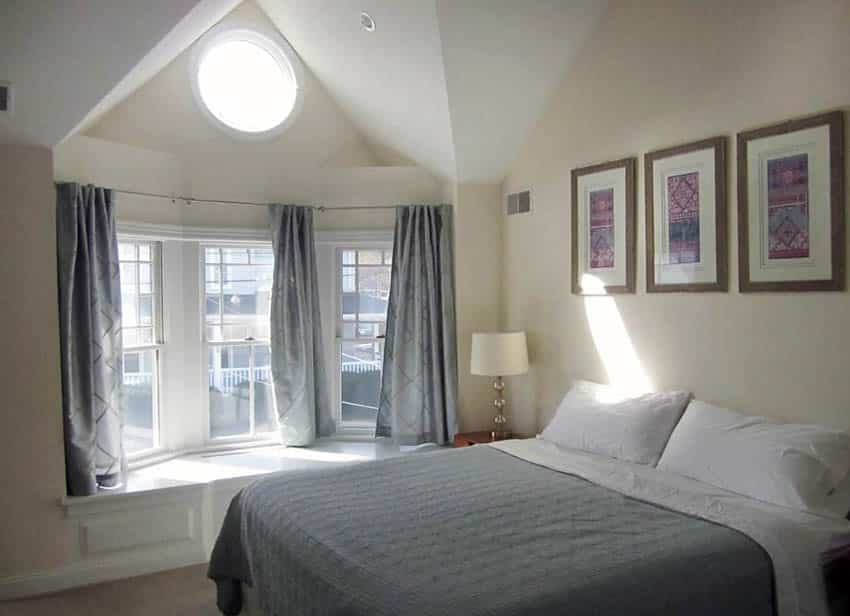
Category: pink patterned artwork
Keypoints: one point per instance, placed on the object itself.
(602, 228)
(683, 218)
(788, 207)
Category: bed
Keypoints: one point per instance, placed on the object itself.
(519, 528)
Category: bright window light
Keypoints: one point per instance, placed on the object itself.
(246, 82)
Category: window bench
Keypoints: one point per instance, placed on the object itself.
(168, 514)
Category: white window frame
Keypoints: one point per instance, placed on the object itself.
(206, 345)
(271, 42)
(183, 355)
(377, 241)
(158, 346)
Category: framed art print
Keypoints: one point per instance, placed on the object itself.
(791, 204)
(686, 246)
(603, 228)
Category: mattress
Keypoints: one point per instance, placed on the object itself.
(477, 531)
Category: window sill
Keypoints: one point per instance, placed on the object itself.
(183, 474)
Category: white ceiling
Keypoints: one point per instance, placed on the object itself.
(390, 82)
(503, 59)
(64, 57)
(453, 85)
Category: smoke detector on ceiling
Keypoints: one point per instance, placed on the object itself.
(5, 97)
(366, 22)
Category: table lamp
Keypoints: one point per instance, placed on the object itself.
(499, 354)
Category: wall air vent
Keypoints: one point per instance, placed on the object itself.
(519, 202)
(5, 97)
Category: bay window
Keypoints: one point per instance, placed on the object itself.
(196, 332)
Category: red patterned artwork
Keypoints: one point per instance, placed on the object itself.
(788, 207)
(683, 218)
(602, 228)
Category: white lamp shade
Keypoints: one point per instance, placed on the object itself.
(499, 354)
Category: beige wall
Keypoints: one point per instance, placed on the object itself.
(478, 237)
(117, 165)
(661, 73)
(31, 450)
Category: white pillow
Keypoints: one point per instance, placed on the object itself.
(597, 419)
(792, 465)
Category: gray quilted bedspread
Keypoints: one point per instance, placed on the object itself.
(475, 531)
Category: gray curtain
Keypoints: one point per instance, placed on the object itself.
(90, 337)
(298, 369)
(419, 387)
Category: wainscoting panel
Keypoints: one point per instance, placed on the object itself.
(127, 530)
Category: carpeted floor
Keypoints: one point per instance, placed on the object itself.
(181, 592)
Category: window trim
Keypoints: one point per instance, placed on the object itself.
(270, 41)
(383, 242)
(209, 441)
(186, 430)
(157, 346)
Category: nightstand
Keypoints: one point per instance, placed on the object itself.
(464, 439)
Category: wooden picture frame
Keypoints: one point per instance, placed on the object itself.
(611, 185)
(808, 155)
(700, 261)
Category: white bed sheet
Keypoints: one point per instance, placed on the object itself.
(795, 540)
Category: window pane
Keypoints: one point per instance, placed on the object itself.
(264, 415)
(139, 400)
(213, 309)
(229, 390)
(374, 286)
(349, 330)
(244, 281)
(388, 257)
(263, 256)
(349, 306)
(145, 284)
(212, 255)
(126, 251)
(348, 257)
(146, 310)
(369, 257)
(212, 278)
(128, 275)
(144, 252)
(361, 381)
(235, 255)
(372, 307)
(349, 278)
(375, 280)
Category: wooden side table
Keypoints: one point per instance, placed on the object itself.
(465, 439)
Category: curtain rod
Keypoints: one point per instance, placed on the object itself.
(191, 201)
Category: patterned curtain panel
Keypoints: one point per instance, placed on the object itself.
(298, 369)
(419, 386)
(90, 337)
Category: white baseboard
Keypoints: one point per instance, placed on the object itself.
(83, 573)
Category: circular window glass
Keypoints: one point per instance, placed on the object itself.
(246, 83)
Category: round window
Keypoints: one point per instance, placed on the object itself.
(246, 82)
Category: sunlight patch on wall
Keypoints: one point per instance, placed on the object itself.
(612, 340)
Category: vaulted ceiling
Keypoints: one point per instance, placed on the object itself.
(452, 85)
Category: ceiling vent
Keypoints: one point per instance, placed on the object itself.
(519, 202)
(5, 97)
